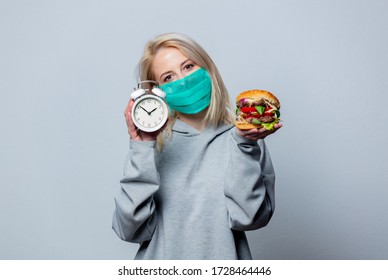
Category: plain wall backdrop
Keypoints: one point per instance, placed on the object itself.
(66, 72)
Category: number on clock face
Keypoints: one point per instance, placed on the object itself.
(149, 113)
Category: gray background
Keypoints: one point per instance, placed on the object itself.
(66, 71)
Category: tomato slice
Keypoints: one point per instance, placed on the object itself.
(266, 113)
(252, 112)
(248, 109)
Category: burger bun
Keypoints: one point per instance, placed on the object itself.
(259, 94)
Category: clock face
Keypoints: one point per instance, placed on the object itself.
(149, 113)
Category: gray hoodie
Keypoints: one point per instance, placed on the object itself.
(195, 199)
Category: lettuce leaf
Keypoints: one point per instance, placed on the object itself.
(269, 126)
(260, 109)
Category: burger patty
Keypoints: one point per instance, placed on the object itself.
(263, 119)
(267, 119)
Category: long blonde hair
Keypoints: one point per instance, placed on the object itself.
(220, 110)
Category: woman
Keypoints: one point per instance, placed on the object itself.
(192, 190)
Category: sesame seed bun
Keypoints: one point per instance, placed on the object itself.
(259, 94)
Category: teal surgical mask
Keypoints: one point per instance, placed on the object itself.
(191, 94)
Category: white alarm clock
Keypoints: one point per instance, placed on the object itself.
(150, 111)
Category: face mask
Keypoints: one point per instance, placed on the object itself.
(191, 94)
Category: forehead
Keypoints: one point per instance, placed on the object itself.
(166, 58)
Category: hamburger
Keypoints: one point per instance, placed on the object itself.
(255, 109)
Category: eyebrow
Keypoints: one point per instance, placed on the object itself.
(183, 63)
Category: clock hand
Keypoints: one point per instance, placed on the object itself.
(145, 110)
(152, 111)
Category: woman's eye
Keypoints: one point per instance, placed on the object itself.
(167, 78)
(189, 66)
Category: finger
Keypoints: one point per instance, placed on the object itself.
(260, 133)
(248, 132)
(277, 126)
(128, 117)
(132, 129)
(128, 108)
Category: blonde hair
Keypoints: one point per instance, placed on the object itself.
(220, 110)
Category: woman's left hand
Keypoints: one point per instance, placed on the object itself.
(258, 133)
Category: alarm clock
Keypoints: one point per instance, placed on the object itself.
(150, 111)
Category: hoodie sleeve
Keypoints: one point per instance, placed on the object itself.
(249, 184)
(134, 217)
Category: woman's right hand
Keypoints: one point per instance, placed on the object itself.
(134, 133)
